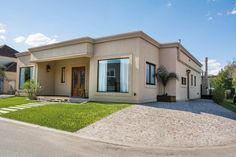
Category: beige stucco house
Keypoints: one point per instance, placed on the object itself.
(118, 68)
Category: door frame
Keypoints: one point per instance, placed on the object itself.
(72, 79)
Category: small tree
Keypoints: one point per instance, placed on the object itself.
(163, 76)
(31, 88)
(219, 94)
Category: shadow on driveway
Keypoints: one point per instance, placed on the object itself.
(195, 106)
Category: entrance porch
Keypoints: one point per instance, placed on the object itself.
(67, 78)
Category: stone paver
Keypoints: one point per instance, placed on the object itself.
(20, 107)
(8, 109)
(182, 124)
(2, 111)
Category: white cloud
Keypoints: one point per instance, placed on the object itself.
(2, 37)
(2, 28)
(213, 66)
(38, 39)
(233, 11)
(169, 4)
(19, 39)
(210, 18)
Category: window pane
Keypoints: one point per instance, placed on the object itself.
(191, 80)
(63, 75)
(147, 73)
(124, 75)
(102, 76)
(152, 75)
(26, 74)
(113, 75)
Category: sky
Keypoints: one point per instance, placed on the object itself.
(207, 28)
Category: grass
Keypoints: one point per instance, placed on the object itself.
(68, 117)
(12, 101)
(228, 103)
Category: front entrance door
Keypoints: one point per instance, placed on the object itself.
(78, 82)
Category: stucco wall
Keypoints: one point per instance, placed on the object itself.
(72, 51)
(194, 92)
(9, 82)
(46, 79)
(148, 53)
(65, 88)
(116, 49)
(168, 57)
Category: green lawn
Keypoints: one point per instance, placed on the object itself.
(69, 117)
(12, 101)
(228, 103)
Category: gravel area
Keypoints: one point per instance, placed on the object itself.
(182, 124)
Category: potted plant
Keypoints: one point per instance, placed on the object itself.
(163, 76)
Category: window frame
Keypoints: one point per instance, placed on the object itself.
(98, 75)
(182, 81)
(63, 74)
(191, 78)
(19, 84)
(148, 82)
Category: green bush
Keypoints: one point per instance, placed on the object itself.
(219, 94)
(31, 88)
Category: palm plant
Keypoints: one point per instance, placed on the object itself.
(163, 76)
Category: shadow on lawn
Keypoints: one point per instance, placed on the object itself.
(195, 106)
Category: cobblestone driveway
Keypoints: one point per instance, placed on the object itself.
(182, 124)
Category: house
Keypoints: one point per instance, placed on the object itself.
(8, 64)
(117, 68)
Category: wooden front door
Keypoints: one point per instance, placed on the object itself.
(78, 82)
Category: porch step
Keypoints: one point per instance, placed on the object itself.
(61, 99)
(48, 99)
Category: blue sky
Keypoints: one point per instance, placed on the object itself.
(206, 27)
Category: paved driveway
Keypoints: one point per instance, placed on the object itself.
(196, 123)
(24, 140)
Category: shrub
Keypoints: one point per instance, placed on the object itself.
(31, 88)
(219, 94)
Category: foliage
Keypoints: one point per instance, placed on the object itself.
(13, 101)
(219, 94)
(226, 78)
(228, 103)
(31, 88)
(69, 117)
(164, 76)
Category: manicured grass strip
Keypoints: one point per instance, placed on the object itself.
(12, 101)
(67, 117)
(228, 103)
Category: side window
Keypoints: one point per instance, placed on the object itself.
(63, 74)
(195, 81)
(183, 80)
(150, 73)
(191, 80)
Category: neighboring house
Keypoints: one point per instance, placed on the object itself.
(118, 68)
(8, 61)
